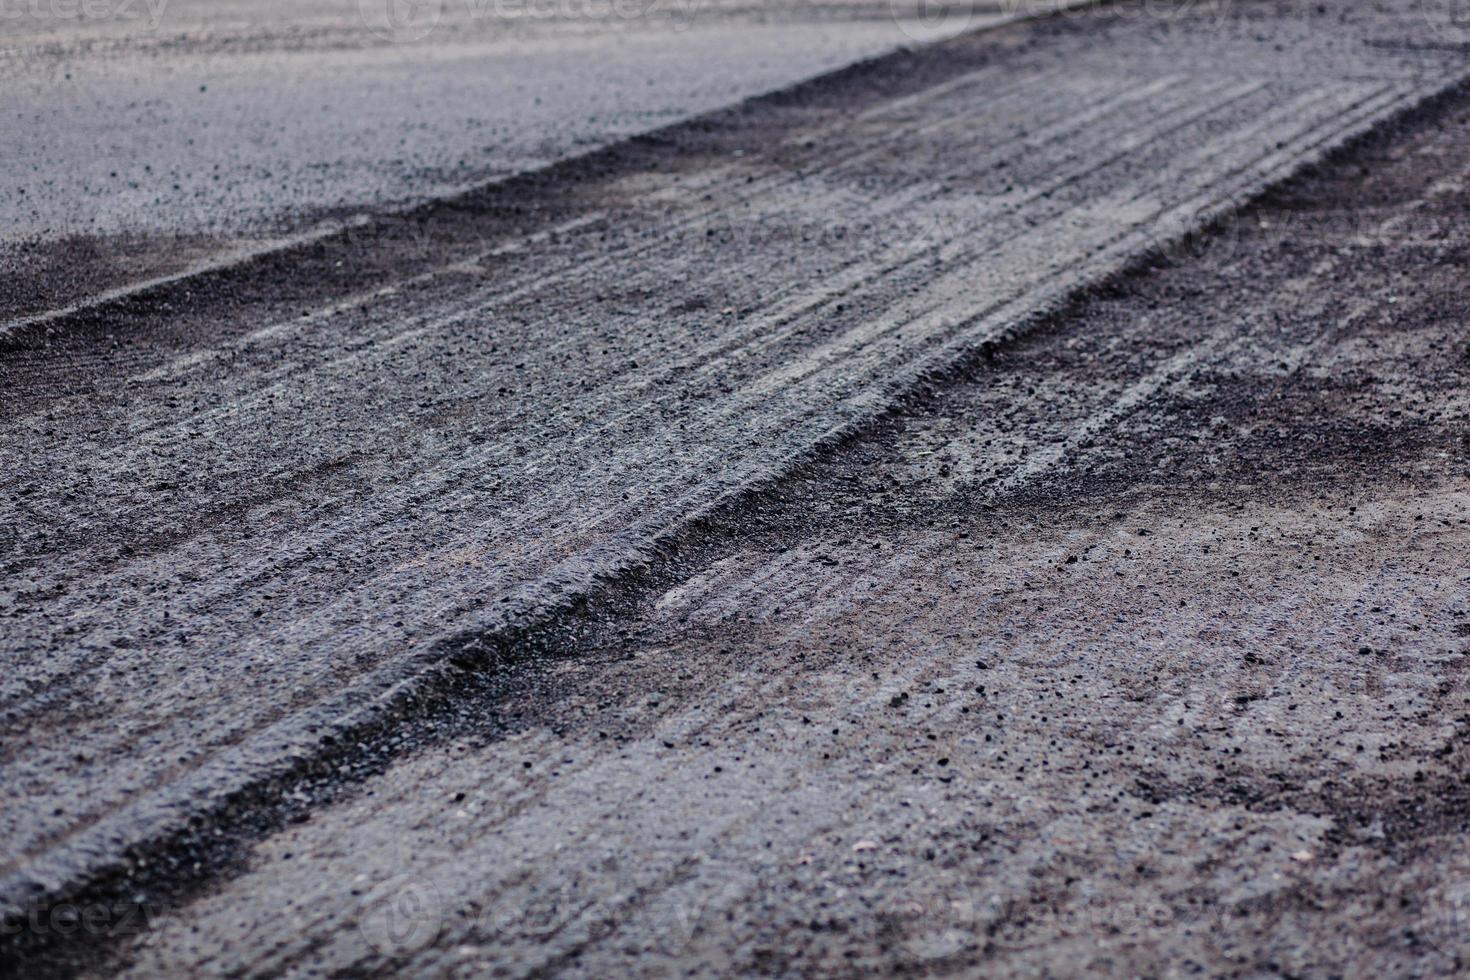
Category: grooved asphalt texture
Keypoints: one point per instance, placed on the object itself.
(236, 523)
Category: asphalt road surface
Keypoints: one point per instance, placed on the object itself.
(936, 517)
(147, 138)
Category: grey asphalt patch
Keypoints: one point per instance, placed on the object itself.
(232, 559)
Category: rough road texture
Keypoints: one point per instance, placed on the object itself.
(1141, 650)
(252, 509)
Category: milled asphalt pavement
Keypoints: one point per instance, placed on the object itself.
(931, 518)
(1138, 650)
